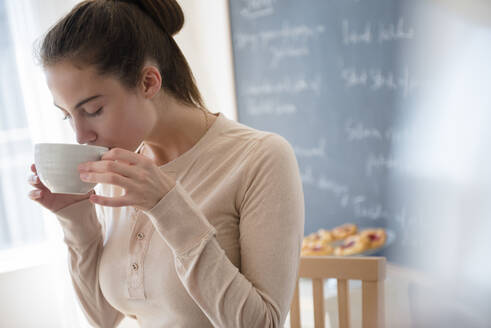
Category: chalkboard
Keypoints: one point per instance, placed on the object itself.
(330, 76)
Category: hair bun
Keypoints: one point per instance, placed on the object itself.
(167, 13)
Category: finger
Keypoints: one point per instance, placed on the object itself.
(35, 194)
(110, 201)
(127, 156)
(33, 179)
(36, 182)
(33, 168)
(108, 178)
(108, 166)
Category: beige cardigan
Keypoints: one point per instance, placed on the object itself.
(221, 249)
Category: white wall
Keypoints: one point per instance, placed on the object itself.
(205, 41)
(27, 291)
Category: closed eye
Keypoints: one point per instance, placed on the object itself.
(97, 113)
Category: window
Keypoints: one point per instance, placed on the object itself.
(21, 220)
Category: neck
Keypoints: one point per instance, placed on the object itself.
(177, 129)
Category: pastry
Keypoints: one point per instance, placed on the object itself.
(374, 237)
(321, 234)
(319, 249)
(344, 231)
(352, 245)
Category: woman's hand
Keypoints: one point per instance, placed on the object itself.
(53, 202)
(144, 183)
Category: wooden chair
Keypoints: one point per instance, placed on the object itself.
(370, 270)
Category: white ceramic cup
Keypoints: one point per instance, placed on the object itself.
(57, 166)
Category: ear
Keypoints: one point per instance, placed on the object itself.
(151, 81)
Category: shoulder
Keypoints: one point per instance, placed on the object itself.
(274, 144)
(271, 157)
(257, 142)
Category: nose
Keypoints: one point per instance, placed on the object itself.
(84, 133)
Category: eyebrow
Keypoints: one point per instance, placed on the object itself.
(82, 102)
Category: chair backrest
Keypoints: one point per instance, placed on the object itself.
(370, 270)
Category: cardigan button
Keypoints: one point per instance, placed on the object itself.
(140, 235)
(135, 266)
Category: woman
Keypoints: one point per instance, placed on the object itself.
(200, 227)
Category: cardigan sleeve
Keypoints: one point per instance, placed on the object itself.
(83, 234)
(271, 227)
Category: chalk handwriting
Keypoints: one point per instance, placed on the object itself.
(307, 176)
(380, 162)
(377, 80)
(359, 203)
(287, 85)
(316, 151)
(271, 107)
(392, 32)
(339, 190)
(257, 8)
(357, 131)
(352, 37)
(283, 52)
(384, 32)
(373, 212)
(286, 35)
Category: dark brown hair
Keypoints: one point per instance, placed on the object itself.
(116, 37)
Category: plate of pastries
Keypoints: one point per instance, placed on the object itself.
(346, 240)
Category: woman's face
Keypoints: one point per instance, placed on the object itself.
(100, 109)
